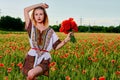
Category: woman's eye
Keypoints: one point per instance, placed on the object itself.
(41, 14)
(36, 14)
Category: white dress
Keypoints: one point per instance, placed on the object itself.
(49, 40)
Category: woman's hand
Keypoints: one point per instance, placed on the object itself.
(68, 36)
(39, 52)
(44, 5)
(65, 40)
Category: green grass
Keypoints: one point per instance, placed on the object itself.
(94, 55)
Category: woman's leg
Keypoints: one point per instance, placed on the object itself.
(28, 64)
(39, 70)
(34, 73)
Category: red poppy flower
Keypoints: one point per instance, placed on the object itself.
(102, 78)
(20, 65)
(94, 78)
(67, 78)
(9, 70)
(52, 64)
(1, 65)
(117, 72)
(68, 25)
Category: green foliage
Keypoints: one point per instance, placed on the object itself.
(55, 27)
(94, 55)
(9, 23)
(15, 24)
(103, 29)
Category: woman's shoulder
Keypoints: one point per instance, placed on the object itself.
(51, 29)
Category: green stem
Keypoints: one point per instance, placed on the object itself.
(72, 38)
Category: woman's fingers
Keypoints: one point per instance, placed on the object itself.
(68, 36)
(44, 5)
(71, 33)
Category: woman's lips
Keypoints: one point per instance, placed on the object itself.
(39, 19)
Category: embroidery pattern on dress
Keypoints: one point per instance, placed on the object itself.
(46, 35)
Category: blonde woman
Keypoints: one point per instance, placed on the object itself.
(42, 40)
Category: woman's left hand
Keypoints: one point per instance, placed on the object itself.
(68, 36)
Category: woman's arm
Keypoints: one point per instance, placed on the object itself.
(28, 9)
(64, 41)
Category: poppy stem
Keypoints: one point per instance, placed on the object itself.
(72, 38)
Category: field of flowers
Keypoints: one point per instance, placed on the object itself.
(95, 56)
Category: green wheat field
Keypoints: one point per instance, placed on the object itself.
(95, 56)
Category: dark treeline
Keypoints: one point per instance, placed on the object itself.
(8, 23)
(11, 24)
(102, 29)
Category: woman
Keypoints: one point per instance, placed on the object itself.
(42, 39)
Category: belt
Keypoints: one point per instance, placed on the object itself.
(40, 49)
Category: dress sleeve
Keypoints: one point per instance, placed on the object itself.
(29, 27)
(56, 40)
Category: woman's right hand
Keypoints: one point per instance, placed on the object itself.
(44, 5)
(39, 52)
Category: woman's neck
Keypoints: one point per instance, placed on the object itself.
(40, 24)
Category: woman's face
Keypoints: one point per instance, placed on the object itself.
(39, 15)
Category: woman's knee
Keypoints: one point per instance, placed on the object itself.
(31, 74)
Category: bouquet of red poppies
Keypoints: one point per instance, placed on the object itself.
(69, 26)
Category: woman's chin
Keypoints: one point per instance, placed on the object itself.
(39, 22)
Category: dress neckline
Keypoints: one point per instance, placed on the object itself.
(42, 30)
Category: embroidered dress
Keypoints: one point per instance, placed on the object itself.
(45, 41)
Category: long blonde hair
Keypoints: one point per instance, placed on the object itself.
(45, 21)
